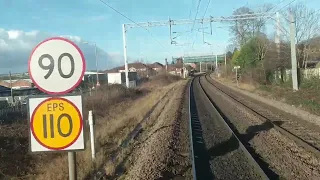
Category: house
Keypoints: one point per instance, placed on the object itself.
(176, 68)
(135, 67)
(157, 66)
(22, 83)
(17, 84)
(4, 84)
(142, 69)
(120, 78)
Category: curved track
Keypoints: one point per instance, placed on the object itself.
(217, 152)
(307, 137)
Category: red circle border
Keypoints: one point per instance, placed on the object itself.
(32, 120)
(82, 73)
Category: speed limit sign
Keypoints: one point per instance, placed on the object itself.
(56, 66)
(56, 123)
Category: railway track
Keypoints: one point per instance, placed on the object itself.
(201, 160)
(306, 137)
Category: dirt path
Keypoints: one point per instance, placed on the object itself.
(162, 149)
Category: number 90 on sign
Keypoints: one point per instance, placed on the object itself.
(56, 66)
(56, 124)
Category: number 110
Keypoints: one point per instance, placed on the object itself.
(52, 126)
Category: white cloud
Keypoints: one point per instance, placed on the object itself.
(16, 46)
(14, 34)
(76, 39)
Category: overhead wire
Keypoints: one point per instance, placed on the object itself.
(197, 11)
(287, 5)
(123, 15)
(195, 18)
(205, 12)
(191, 8)
(278, 5)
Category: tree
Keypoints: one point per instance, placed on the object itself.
(229, 56)
(244, 29)
(235, 57)
(307, 27)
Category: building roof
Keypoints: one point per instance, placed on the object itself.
(13, 81)
(4, 83)
(156, 65)
(90, 73)
(136, 65)
(173, 67)
(21, 83)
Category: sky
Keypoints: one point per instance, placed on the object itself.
(25, 23)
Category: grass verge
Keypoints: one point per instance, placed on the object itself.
(306, 98)
(117, 110)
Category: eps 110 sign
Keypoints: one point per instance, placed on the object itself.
(56, 67)
(56, 123)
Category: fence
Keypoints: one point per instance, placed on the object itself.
(304, 74)
(12, 114)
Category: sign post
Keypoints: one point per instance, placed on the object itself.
(56, 67)
(236, 68)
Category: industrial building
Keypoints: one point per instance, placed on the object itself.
(120, 78)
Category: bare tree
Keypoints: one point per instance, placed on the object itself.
(307, 26)
(245, 29)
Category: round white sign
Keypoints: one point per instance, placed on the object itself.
(56, 66)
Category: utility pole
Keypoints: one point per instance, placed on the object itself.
(277, 38)
(125, 54)
(95, 53)
(293, 52)
(11, 85)
(225, 62)
(216, 62)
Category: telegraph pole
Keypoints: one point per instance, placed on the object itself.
(293, 52)
(277, 39)
(225, 62)
(125, 54)
(11, 85)
(216, 62)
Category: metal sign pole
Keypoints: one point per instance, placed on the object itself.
(72, 165)
(237, 77)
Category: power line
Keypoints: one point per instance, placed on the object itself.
(278, 5)
(191, 8)
(205, 12)
(287, 5)
(199, 2)
(132, 22)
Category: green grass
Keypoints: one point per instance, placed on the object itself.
(307, 97)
